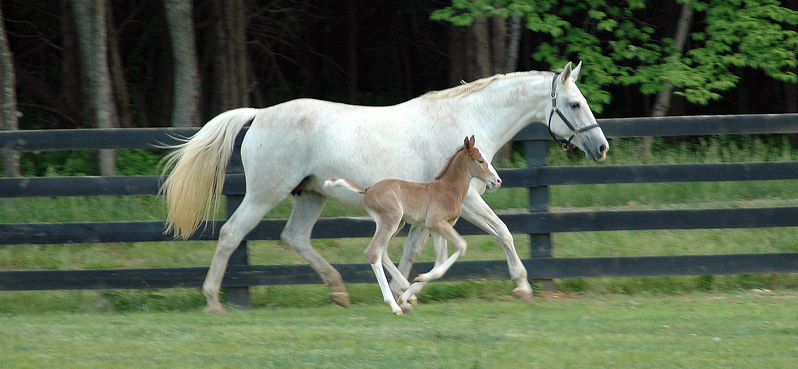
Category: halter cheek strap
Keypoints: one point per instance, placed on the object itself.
(565, 144)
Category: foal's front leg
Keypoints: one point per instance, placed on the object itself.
(445, 230)
(441, 254)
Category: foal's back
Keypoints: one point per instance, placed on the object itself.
(395, 201)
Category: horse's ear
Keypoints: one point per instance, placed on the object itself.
(575, 72)
(566, 73)
(472, 142)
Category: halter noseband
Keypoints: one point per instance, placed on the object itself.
(565, 144)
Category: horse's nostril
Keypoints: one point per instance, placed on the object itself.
(603, 149)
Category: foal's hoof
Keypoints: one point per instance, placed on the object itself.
(341, 298)
(524, 296)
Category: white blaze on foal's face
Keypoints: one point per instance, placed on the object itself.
(493, 181)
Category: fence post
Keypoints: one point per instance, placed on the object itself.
(238, 296)
(539, 244)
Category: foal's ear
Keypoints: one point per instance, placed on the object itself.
(468, 143)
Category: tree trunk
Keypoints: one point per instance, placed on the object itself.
(498, 44)
(231, 88)
(8, 99)
(662, 102)
(458, 55)
(121, 95)
(90, 20)
(185, 106)
(481, 57)
(513, 43)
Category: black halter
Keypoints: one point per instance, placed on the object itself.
(565, 144)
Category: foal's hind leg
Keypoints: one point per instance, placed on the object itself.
(374, 253)
(307, 208)
(243, 220)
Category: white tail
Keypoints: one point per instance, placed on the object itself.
(345, 183)
(193, 189)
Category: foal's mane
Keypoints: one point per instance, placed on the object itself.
(449, 162)
(467, 88)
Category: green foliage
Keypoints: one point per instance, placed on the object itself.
(619, 48)
(84, 163)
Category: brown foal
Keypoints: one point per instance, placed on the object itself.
(434, 205)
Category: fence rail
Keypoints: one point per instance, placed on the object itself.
(537, 221)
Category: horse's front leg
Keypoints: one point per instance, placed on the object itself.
(477, 211)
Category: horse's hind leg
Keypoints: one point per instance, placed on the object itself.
(241, 222)
(307, 209)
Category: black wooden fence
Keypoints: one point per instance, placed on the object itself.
(537, 221)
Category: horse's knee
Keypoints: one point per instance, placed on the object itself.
(504, 237)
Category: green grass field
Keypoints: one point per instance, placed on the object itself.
(750, 329)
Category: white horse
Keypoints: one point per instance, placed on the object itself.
(293, 147)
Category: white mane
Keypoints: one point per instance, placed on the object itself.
(467, 88)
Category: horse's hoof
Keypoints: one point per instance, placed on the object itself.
(398, 312)
(341, 298)
(214, 310)
(413, 301)
(406, 308)
(524, 296)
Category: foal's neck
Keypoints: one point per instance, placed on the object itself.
(456, 175)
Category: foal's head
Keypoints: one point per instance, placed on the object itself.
(476, 166)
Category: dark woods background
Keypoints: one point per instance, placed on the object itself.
(363, 52)
(373, 52)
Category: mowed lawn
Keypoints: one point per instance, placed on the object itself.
(746, 329)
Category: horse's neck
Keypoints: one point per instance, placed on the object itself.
(501, 109)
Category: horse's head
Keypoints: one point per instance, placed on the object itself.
(480, 168)
(571, 122)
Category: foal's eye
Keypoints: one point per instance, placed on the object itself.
(575, 105)
(481, 161)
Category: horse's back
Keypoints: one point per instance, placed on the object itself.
(309, 140)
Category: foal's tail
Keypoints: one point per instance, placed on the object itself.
(345, 183)
(194, 187)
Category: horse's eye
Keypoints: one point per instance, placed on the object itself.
(481, 161)
(575, 105)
